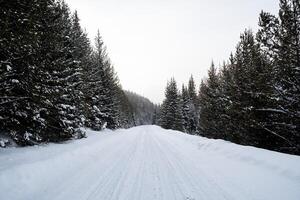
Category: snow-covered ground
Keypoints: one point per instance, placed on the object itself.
(147, 163)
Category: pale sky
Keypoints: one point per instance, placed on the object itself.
(150, 41)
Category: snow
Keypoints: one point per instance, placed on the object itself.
(2, 143)
(8, 68)
(147, 163)
(15, 81)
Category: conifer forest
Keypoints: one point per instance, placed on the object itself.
(54, 80)
(86, 115)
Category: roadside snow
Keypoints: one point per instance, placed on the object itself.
(147, 163)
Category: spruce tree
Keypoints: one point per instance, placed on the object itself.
(18, 43)
(193, 106)
(253, 85)
(103, 90)
(185, 105)
(171, 114)
(53, 90)
(280, 38)
(81, 54)
(208, 99)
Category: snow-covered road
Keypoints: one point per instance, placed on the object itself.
(147, 163)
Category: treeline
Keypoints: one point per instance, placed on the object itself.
(254, 98)
(144, 111)
(52, 81)
(180, 109)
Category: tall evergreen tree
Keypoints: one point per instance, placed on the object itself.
(51, 81)
(55, 115)
(185, 105)
(18, 44)
(280, 38)
(253, 91)
(171, 114)
(81, 54)
(103, 89)
(208, 98)
(193, 106)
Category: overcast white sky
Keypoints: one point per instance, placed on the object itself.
(150, 41)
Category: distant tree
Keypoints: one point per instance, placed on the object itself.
(185, 105)
(171, 113)
(126, 110)
(208, 98)
(144, 111)
(193, 106)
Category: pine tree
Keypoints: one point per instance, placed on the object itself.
(103, 90)
(253, 85)
(144, 111)
(81, 54)
(185, 105)
(93, 85)
(226, 95)
(51, 81)
(71, 75)
(53, 91)
(279, 37)
(18, 43)
(126, 110)
(171, 115)
(193, 106)
(192, 90)
(208, 98)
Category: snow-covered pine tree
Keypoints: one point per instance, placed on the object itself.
(81, 54)
(171, 113)
(226, 89)
(54, 118)
(189, 112)
(50, 78)
(252, 75)
(112, 100)
(209, 104)
(126, 110)
(93, 86)
(185, 105)
(18, 43)
(102, 90)
(193, 106)
(70, 100)
(280, 38)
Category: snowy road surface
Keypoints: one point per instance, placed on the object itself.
(147, 163)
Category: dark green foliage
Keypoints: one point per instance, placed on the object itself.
(143, 110)
(171, 114)
(255, 98)
(190, 107)
(280, 38)
(51, 80)
(103, 89)
(209, 105)
(126, 110)
(18, 44)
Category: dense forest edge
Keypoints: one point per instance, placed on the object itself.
(254, 97)
(53, 81)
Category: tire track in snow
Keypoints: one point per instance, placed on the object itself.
(208, 178)
(111, 181)
(142, 163)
